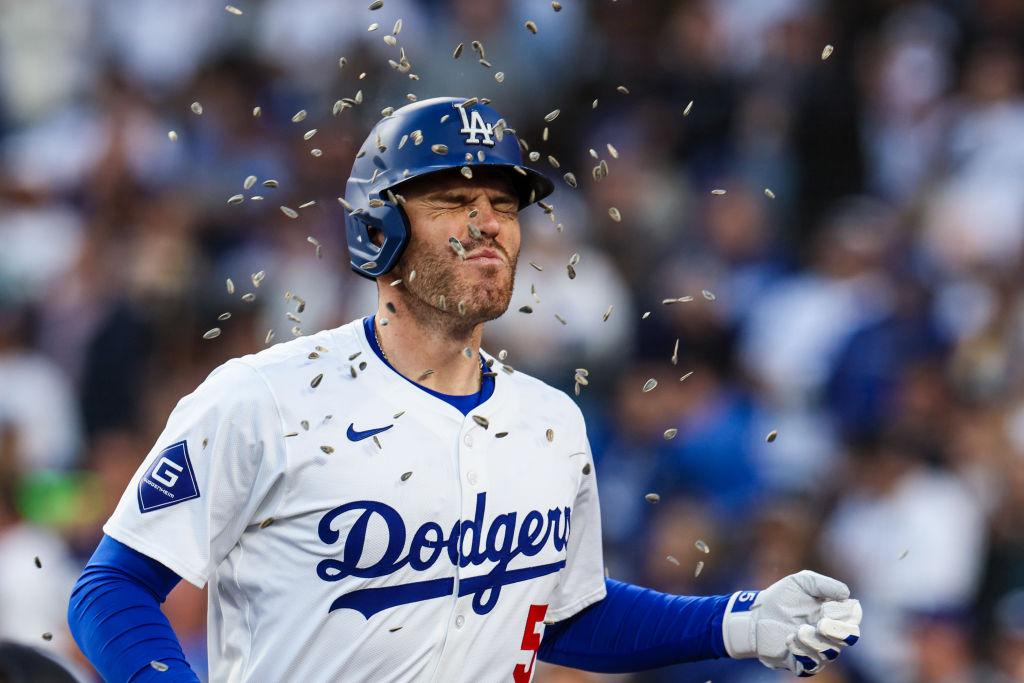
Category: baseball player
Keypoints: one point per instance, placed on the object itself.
(386, 501)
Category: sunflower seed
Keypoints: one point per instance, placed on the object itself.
(570, 180)
(212, 333)
(316, 380)
(172, 135)
(718, 191)
(772, 435)
(377, 442)
(531, 27)
(499, 76)
(352, 369)
(904, 554)
(38, 562)
(256, 111)
(581, 380)
(702, 546)
(457, 247)
(196, 108)
(267, 522)
(405, 477)
(231, 9)
(257, 278)
(327, 449)
(397, 628)
(316, 152)
(373, 27)
(501, 435)
(290, 212)
(270, 183)
(461, 306)
(439, 149)
(369, 265)
(525, 309)
(623, 89)
(484, 62)
(482, 421)
(248, 297)
(549, 435)
(555, 5)
(466, 171)
(159, 666)
(412, 275)
(552, 115)
(270, 336)
(47, 636)
(709, 295)
(458, 51)
(645, 315)
(290, 434)
(224, 316)
(236, 199)
(474, 231)
(672, 560)
(698, 569)
(615, 215)
(826, 52)
(478, 47)
(390, 40)
(397, 27)
(586, 468)
(299, 116)
(670, 433)
(571, 271)
(362, 363)
(650, 384)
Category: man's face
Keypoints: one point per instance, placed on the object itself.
(439, 207)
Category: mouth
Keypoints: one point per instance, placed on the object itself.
(485, 257)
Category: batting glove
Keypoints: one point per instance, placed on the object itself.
(800, 623)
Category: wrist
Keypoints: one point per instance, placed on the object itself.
(738, 626)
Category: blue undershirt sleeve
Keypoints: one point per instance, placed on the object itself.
(114, 615)
(636, 628)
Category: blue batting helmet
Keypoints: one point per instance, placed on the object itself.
(425, 137)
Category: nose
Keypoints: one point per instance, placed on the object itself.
(486, 219)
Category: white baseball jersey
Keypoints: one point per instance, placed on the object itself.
(364, 530)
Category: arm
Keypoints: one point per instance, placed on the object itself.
(114, 615)
(636, 628)
(799, 623)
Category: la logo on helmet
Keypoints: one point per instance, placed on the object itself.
(473, 125)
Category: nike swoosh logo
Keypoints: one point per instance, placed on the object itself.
(353, 435)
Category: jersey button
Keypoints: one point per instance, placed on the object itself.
(468, 439)
(471, 477)
(460, 621)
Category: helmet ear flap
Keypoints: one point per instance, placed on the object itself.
(368, 257)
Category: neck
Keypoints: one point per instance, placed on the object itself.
(418, 338)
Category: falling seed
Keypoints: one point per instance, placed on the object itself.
(607, 313)
(646, 315)
(614, 152)
(571, 271)
(299, 116)
(466, 171)
(248, 183)
(623, 89)
(267, 522)
(439, 149)
(670, 433)
(172, 136)
(702, 546)
(531, 27)
(316, 152)
(672, 560)
(718, 191)
(390, 40)
(316, 380)
(159, 666)
(570, 180)
(224, 316)
(482, 421)
(652, 498)
(501, 435)
(499, 76)
(309, 133)
(560, 319)
(615, 215)
(478, 47)
(552, 115)
(327, 449)
(290, 212)
(39, 563)
(256, 111)
(826, 52)
(397, 415)
(270, 337)
(458, 51)
(550, 435)
(412, 275)
(397, 27)
(373, 27)
(212, 333)
(586, 468)
(393, 630)
(698, 569)
(709, 295)
(196, 108)
(593, 105)
(249, 297)
(534, 155)
(236, 199)
(675, 353)
(686, 375)
(376, 4)
(525, 309)
(904, 554)
(376, 442)
(650, 384)
(305, 425)
(768, 193)
(233, 10)
(405, 477)
(47, 636)
(306, 205)
(772, 435)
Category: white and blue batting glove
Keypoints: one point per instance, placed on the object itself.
(800, 623)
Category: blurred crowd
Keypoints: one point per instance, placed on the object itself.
(846, 233)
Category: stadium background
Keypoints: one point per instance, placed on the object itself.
(871, 312)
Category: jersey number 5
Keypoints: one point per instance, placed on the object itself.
(531, 643)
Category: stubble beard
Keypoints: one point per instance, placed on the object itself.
(486, 295)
